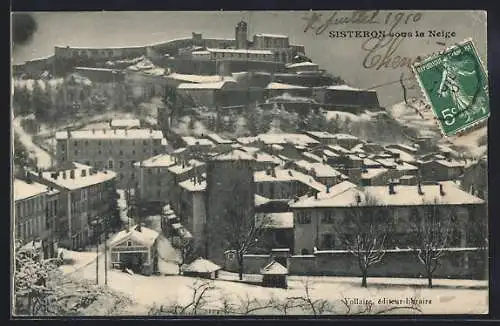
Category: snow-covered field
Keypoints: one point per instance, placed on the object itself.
(146, 291)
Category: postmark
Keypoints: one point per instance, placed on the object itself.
(455, 84)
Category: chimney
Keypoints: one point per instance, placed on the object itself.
(441, 189)
(40, 174)
(104, 131)
(93, 131)
(358, 198)
(315, 195)
(114, 130)
(84, 173)
(150, 130)
(64, 174)
(138, 228)
(290, 173)
(327, 189)
(268, 171)
(68, 133)
(420, 191)
(72, 174)
(273, 172)
(392, 191)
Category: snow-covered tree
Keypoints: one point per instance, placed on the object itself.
(364, 233)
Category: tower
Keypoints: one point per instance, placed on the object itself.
(241, 31)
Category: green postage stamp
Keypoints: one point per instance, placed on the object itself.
(456, 85)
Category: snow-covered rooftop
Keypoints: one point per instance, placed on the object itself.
(329, 153)
(162, 160)
(347, 88)
(145, 236)
(338, 149)
(282, 220)
(201, 265)
(240, 51)
(302, 64)
(213, 85)
(321, 170)
(79, 181)
(271, 35)
(312, 156)
(24, 190)
(274, 268)
(111, 134)
(451, 163)
(200, 52)
(284, 175)
(404, 196)
(344, 136)
(403, 155)
(192, 141)
(125, 123)
(261, 200)
(274, 85)
(372, 173)
(284, 138)
(179, 168)
(197, 78)
(192, 186)
(321, 134)
(218, 139)
(308, 201)
(370, 162)
(233, 155)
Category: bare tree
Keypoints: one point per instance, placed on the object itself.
(434, 229)
(364, 233)
(239, 228)
(307, 303)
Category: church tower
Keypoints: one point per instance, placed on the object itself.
(241, 31)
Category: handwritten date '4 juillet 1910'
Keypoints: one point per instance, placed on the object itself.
(456, 86)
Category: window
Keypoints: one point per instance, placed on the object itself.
(144, 142)
(133, 142)
(99, 143)
(99, 152)
(132, 175)
(129, 243)
(86, 143)
(75, 143)
(327, 241)
(121, 153)
(328, 217)
(133, 152)
(110, 164)
(121, 176)
(132, 163)
(304, 218)
(158, 193)
(87, 162)
(76, 152)
(155, 152)
(150, 171)
(120, 164)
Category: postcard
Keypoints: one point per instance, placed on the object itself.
(318, 163)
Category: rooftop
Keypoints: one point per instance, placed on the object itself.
(111, 134)
(162, 160)
(403, 196)
(271, 35)
(179, 168)
(126, 123)
(144, 236)
(308, 201)
(372, 173)
(218, 139)
(192, 186)
(321, 134)
(274, 85)
(284, 138)
(214, 85)
(192, 141)
(451, 163)
(201, 265)
(321, 170)
(197, 78)
(302, 64)
(287, 175)
(274, 268)
(240, 51)
(24, 190)
(78, 181)
(348, 88)
(234, 154)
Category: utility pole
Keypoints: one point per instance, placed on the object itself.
(97, 251)
(105, 254)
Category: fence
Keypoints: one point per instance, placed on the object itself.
(459, 263)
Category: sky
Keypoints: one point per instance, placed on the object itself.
(343, 57)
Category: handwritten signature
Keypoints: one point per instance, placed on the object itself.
(315, 21)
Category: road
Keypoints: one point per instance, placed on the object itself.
(44, 160)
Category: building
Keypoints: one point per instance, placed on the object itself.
(125, 124)
(35, 213)
(192, 212)
(317, 220)
(343, 97)
(323, 137)
(135, 249)
(154, 180)
(285, 184)
(275, 89)
(305, 66)
(208, 94)
(85, 195)
(230, 194)
(116, 149)
(441, 170)
(321, 172)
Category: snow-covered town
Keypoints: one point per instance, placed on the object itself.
(204, 176)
